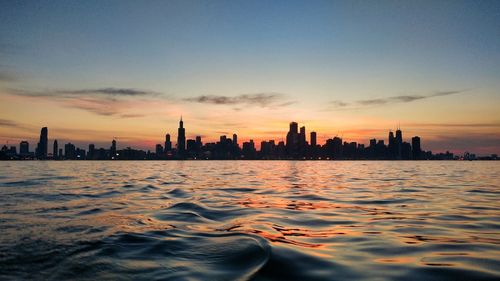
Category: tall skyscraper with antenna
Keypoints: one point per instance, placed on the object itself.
(181, 138)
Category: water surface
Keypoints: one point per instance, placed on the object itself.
(250, 220)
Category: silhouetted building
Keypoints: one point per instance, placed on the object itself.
(80, 154)
(24, 149)
(12, 152)
(112, 151)
(292, 140)
(416, 150)
(55, 149)
(313, 139)
(168, 143)
(302, 141)
(392, 146)
(248, 150)
(381, 150)
(159, 151)
(69, 151)
(334, 148)
(399, 144)
(41, 150)
(199, 144)
(181, 139)
(405, 151)
(235, 140)
(91, 155)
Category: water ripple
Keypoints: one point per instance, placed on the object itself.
(249, 220)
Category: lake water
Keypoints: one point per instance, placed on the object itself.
(250, 220)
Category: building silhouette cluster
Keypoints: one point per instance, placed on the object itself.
(296, 146)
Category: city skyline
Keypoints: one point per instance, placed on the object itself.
(91, 71)
(297, 145)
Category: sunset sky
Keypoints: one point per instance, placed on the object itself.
(94, 70)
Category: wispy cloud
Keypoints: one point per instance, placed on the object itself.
(114, 92)
(257, 99)
(105, 107)
(338, 103)
(8, 123)
(111, 92)
(14, 125)
(102, 101)
(132, 115)
(391, 100)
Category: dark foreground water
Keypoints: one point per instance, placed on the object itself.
(254, 220)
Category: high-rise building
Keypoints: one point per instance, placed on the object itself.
(159, 150)
(199, 144)
(399, 144)
(302, 140)
(249, 150)
(181, 138)
(24, 148)
(69, 151)
(416, 150)
(91, 154)
(235, 140)
(168, 143)
(54, 150)
(42, 148)
(112, 150)
(292, 140)
(313, 139)
(392, 145)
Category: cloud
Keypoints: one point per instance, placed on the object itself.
(132, 115)
(8, 123)
(105, 107)
(258, 99)
(102, 101)
(338, 103)
(14, 125)
(391, 100)
(110, 92)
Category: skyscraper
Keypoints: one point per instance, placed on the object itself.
(302, 140)
(41, 150)
(91, 155)
(199, 144)
(168, 143)
(235, 140)
(313, 139)
(24, 148)
(292, 139)
(399, 144)
(416, 150)
(392, 145)
(112, 150)
(55, 150)
(181, 138)
(159, 150)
